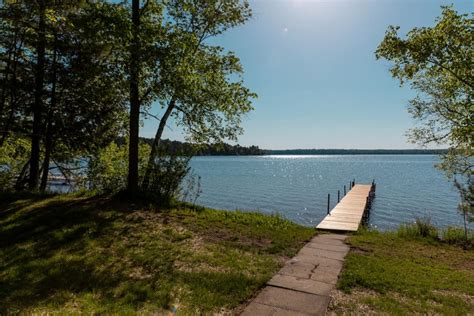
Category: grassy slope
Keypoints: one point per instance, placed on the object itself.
(386, 273)
(78, 254)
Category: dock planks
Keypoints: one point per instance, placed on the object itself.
(348, 213)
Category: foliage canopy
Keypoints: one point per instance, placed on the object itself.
(438, 63)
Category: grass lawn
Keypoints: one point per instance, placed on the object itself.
(72, 254)
(393, 273)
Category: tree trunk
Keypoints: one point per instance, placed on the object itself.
(20, 181)
(49, 128)
(47, 155)
(38, 104)
(156, 143)
(134, 101)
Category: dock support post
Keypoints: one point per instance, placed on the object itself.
(329, 198)
(338, 196)
(344, 190)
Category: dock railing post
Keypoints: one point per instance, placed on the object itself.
(338, 196)
(329, 198)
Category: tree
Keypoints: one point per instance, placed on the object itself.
(198, 84)
(134, 99)
(16, 81)
(38, 103)
(86, 91)
(170, 63)
(438, 62)
(82, 86)
(143, 42)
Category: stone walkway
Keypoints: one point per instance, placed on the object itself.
(303, 285)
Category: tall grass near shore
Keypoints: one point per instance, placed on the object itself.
(423, 228)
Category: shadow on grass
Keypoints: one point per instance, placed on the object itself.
(46, 255)
(105, 255)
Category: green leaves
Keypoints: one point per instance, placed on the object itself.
(83, 100)
(14, 155)
(107, 170)
(438, 62)
(87, 70)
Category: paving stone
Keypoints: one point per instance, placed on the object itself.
(299, 269)
(333, 236)
(321, 269)
(320, 244)
(257, 309)
(326, 274)
(327, 262)
(299, 284)
(293, 300)
(322, 253)
(328, 241)
(320, 261)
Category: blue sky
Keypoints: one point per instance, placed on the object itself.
(312, 64)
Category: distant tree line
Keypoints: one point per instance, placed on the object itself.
(356, 152)
(225, 149)
(217, 149)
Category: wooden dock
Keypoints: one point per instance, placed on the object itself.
(351, 210)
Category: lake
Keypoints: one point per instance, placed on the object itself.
(296, 187)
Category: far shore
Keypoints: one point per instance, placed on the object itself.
(355, 152)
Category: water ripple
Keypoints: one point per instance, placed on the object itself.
(296, 187)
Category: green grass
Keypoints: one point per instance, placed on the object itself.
(73, 253)
(402, 272)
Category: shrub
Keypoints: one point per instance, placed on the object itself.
(422, 228)
(14, 155)
(167, 176)
(457, 236)
(108, 168)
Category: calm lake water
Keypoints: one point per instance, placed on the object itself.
(408, 186)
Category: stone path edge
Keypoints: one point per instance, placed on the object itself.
(304, 284)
